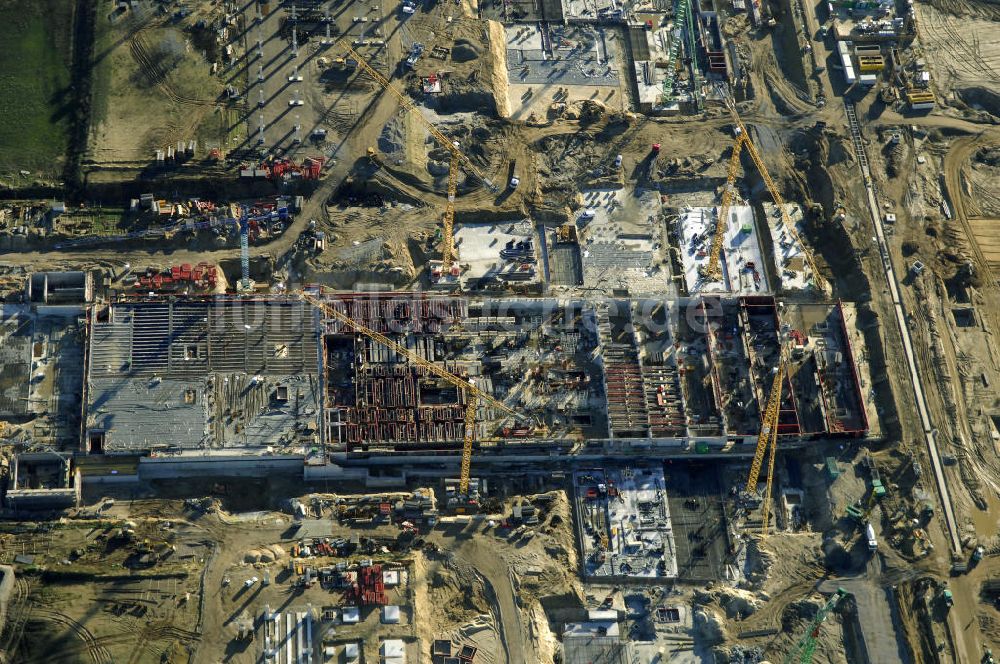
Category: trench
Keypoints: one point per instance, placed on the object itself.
(82, 79)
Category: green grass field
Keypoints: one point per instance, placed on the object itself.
(35, 103)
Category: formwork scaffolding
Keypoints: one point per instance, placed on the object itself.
(533, 353)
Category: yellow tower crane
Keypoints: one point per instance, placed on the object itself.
(767, 439)
(712, 268)
(458, 158)
(472, 393)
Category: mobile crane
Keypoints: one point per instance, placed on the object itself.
(473, 394)
(805, 647)
(458, 158)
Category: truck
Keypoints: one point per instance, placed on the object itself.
(513, 180)
(870, 535)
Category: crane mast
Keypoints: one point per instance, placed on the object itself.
(244, 252)
(712, 268)
(805, 648)
(767, 440)
(458, 158)
(474, 396)
(682, 23)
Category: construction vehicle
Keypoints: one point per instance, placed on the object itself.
(870, 537)
(474, 396)
(767, 439)
(416, 50)
(458, 158)
(743, 142)
(803, 651)
(947, 599)
(860, 512)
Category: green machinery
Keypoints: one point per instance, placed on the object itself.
(859, 511)
(803, 651)
(683, 28)
(682, 13)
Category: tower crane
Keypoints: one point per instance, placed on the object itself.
(242, 223)
(743, 142)
(712, 268)
(682, 15)
(767, 439)
(805, 647)
(472, 393)
(458, 158)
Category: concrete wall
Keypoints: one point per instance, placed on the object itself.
(219, 466)
(60, 287)
(332, 471)
(43, 499)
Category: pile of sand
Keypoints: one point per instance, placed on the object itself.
(498, 74)
(738, 603)
(264, 554)
(709, 626)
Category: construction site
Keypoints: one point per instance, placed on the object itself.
(499, 332)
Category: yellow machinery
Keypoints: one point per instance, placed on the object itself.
(457, 157)
(743, 141)
(871, 63)
(920, 99)
(472, 393)
(767, 438)
(712, 269)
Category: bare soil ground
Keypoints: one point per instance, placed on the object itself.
(86, 590)
(958, 40)
(159, 90)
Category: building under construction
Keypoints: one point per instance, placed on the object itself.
(737, 350)
(533, 355)
(274, 373)
(201, 375)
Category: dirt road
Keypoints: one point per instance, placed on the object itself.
(483, 557)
